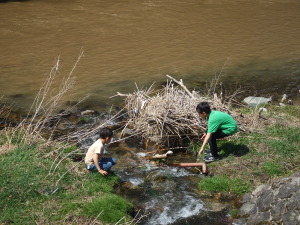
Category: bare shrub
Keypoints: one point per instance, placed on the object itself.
(169, 114)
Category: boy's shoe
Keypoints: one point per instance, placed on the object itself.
(207, 155)
(211, 159)
(207, 151)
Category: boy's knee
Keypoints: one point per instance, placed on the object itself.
(114, 161)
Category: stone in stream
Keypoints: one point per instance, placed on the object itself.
(160, 181)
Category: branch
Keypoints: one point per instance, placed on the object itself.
(181, 84)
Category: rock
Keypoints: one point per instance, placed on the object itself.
(296, 181)
(215, 206)
(160, 182)
(262, 109)
(296, 175)
(255, 101)
(246, 198)
(278, 209)
(277, 203)
(141, 154)
(247, 209)
(89, 112)
(284, 98)
(260, 216)
(161, 156)
(286, 191)
(291, 218)
(264, 201)
(281, 104)
(260, 189)
(294, 202)
(290, 102)
(240, 221)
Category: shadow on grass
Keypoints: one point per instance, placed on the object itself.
(237, 150)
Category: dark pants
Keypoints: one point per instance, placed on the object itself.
(213, 142)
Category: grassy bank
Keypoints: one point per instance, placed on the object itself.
(271, 150)
(38, 187)
(35, 189)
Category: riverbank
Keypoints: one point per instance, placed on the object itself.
(55, 188)
(40, 185)
(261, 158)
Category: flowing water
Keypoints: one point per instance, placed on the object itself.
(169, 196)
(252, 43)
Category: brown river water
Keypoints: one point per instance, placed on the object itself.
(254, 44)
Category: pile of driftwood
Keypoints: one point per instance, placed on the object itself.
(167, 115)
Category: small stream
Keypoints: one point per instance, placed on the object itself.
(165, 194)
(162, 194)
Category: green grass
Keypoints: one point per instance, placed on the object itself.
(233, 213)
(225, 184)
(287, 111)
(106, 205)
(273, 168)
(29, 195)
(194, 147)
(284, 140)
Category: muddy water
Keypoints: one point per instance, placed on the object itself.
(256, 41)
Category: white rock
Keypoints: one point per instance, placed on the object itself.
(255, 101)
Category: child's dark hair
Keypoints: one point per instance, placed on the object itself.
(203, 107)
(105, 132)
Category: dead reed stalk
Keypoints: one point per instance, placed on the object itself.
(47, 101)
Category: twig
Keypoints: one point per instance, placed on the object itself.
(181, 84)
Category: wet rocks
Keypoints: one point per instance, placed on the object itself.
(276, 203)
(159, 181)
(216, 206)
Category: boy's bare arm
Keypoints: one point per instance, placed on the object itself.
(206, 138)
(96, 159)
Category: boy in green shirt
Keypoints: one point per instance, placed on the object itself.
(219, 125)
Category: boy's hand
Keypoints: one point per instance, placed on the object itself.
(199, 154)
(103, 172)
(200, 151)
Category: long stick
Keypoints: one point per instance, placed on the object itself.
(187, 164)
(181, 84)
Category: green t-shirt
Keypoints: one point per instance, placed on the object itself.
(221, 121)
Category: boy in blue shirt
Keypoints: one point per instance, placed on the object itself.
(219, 125)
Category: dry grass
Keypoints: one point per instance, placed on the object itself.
(6, 147)
(169, 114)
